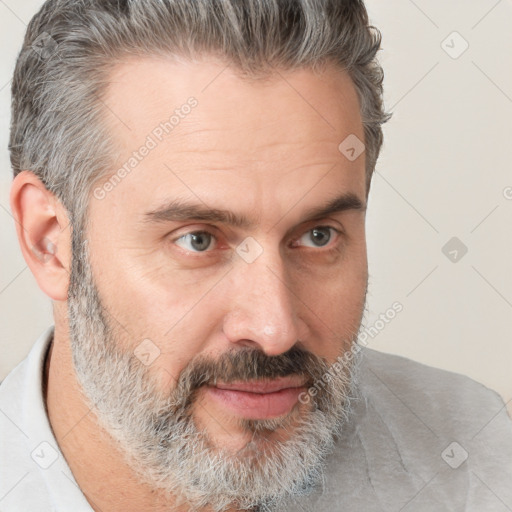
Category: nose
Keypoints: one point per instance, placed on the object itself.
(262, 310)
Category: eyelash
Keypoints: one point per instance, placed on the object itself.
(336, 231)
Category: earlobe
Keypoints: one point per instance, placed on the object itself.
(42, 226)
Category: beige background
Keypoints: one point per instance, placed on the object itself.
(444, 172)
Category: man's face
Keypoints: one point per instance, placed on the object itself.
(218, 242)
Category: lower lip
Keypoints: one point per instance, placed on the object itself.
(257, 406)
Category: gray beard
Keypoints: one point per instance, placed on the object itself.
(156, 431)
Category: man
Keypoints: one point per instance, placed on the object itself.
(191, 182)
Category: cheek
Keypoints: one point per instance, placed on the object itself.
(337, 306)
(150, 301)
(163, 317)
(178, 327)
(154, 322)
(333, 304)
(336, 289)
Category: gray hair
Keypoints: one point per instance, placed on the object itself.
(71, 45)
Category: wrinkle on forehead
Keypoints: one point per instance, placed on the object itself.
(264, 145)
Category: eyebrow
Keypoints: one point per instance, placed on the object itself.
(178, 210)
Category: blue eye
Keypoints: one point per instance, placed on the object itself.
(197, 241)
(319, 236)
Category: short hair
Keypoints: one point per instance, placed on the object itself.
(71, 45)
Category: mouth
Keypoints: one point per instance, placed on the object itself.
(263, 399)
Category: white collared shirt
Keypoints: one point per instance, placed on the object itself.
(421, 440)
(34, 476)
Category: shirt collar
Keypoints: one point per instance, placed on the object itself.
(62, 487)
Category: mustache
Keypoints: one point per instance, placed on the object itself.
(247, 364)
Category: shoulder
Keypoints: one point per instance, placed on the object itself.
(419, 438)
(435, 389)
(399, 370)
(431, 409)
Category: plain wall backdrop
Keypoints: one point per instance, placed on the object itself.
(440, 208)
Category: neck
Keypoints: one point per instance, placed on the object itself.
(97, 465)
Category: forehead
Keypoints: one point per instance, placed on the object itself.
(142, 90)
(260, 134)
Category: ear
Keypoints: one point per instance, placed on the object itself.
(44, 234)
